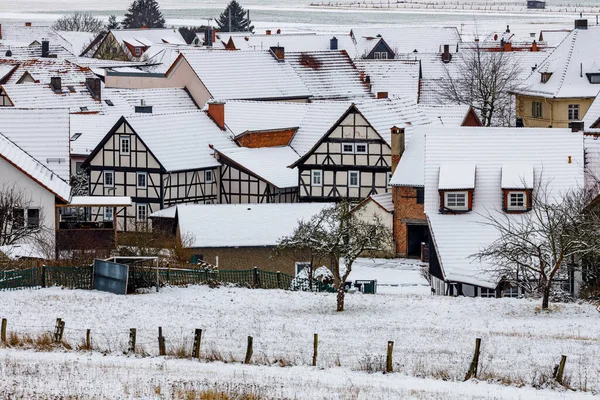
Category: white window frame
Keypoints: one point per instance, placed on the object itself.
(138, 51)
(456, 207)
(350, 173)
(510, 206)
(123, 139)
(137, 212)
(361, 152)
(383, 55)
(108, 214)
(573, 112)
(209, 176)
(351, 151)
(314, 174)
(137, 180)
(377, 55)
(300, 265)
(112, 174)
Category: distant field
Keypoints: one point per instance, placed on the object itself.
(434, 340)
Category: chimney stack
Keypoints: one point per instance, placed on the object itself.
(0, 31)
(534, 46)
(576, 126)
(446, 56)
(45, 48)
(382, 95)
(333, 43)
(216, 110)
(581, 23)
(56, 83)
(27, 23)
(143, 108)
(268, 32)
(278, 52)
(95, 87)
(397, 146)
(279, 31)
(208, 37)
(214, 34)
(507, 46)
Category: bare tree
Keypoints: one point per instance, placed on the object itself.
(79, 22)
(19, 221)
(535, 248)
(337, 234)
(485, 81)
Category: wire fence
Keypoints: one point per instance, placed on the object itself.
(143, 277)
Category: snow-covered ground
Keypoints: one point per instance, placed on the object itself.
(434, 339)
(394, 275)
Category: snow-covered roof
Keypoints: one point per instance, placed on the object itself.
(328, 74)
(104, 201)
(210, 225)
(456, 176)
(33, 168)
(26, 35)
(162, 100)
(146, 37)
(42, 69)
(180, 141)
(557, 159)
(165, 213)
(23, 250)
(405, 39)
(569, 64)
(592, 115)
(269, 163)
(411, 168)
(78, 41)
(446, 114)
(246, 75)
(384, 200)
(41, 133)
(396, 77)
(42, 95)
(517, 176)
(19, 51)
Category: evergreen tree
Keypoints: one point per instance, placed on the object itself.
(143, 13)
(238, 23)
(112, 23)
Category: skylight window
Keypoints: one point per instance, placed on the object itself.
(71, 88)
(84, 109)
(109, 103)
(75, 136)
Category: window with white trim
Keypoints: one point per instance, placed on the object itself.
(141, 180)
(348, 148)
(142, 212)
(353, 178)
(209, 176)
(516, 201)
(109, 178)
(456, 201)
(108, 213)
(361, 148)
(573, 112)
(316, 177)
(124, 144)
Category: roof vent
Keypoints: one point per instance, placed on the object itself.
(56, 84)
(8, 53)
(143, 108)
(581, 24)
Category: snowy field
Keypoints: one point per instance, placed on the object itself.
(434, 339)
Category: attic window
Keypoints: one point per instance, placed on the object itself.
(458, 201)
(75, 136)
(138, 52)
(109, 103)
(545, 76)
(516, 200)
(71, 88)
(593, 77)
(84, 109)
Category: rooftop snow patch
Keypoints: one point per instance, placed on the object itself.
(457, 176)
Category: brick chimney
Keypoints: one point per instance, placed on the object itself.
(216, 110)
(214, 34)
(534, 46)
(397, 146)
(95, 87)
(279, 31)
(278, 52)
(382, 95)
(56, 83)
(507, 46)
(27, 23)
(268, 32)
(446, 56)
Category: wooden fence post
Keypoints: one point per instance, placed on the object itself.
(315, 349)
(132, 340)
(161, 343)
(561, 369)
(3, 331)
(248, 351)
(197, 341)
(472, 373)
(389, 365)
(278, 280)
(57, 335)
(88, 339)
(255, 278)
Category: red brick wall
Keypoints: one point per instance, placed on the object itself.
(267, 139)
(405, 207)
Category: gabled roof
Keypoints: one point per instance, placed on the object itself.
(328, 74)
(25, 35)
(41, 133)
(569, 65)
(210, 225)
(396, 77)
(591, 119)
(42, 69)
(178, 141)
(383, 200)
(245, 75)
(43, 96)
(447, 114)
(268, 163)
(31, 167)
(558, 163)
(406, 39)
(20, 51)
(146, 37)
(410, 171)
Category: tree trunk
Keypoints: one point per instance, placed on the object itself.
(546, 297)
(340, 297)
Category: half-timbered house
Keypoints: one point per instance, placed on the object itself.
(158, 160)
(353, 159)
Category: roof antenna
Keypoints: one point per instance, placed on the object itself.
(581, 70)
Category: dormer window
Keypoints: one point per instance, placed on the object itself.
(517, 188)
(594, 77)
(545, 76)
(456, 185)
(138, 52)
